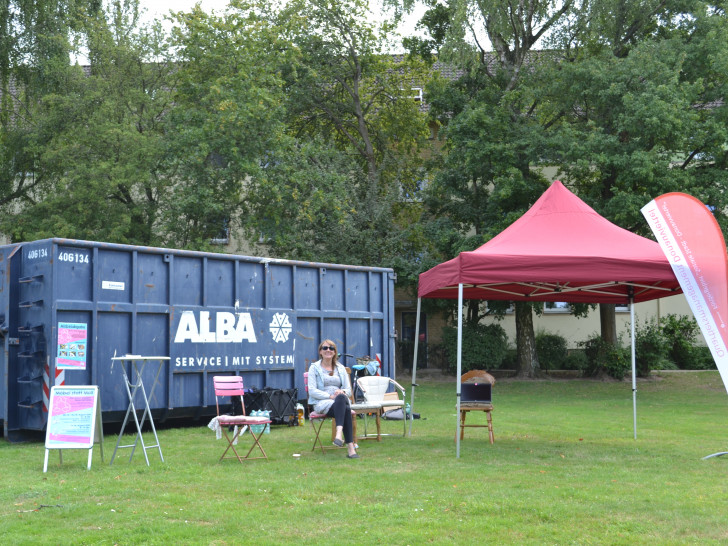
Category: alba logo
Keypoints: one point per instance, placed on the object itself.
(280, 327)
(229, 328)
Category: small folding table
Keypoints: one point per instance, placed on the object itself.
(137, 364)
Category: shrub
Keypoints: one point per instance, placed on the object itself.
(670, 345)
(651, 349)
(605, 358)
(576, 360)
(701, 358)
(680, 334)
(406, 354)
(510, 360)
(551, 350)
(484, 346)
(667, 365)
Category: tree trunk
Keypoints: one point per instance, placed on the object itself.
(608, 320)
(472, 315)
(525, 341)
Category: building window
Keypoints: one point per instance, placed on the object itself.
(412, 191)
(556, 307)
(497, 307)
(407, 342)
(223, 236)
(565, 307)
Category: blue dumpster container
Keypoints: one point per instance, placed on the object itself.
(67, 306)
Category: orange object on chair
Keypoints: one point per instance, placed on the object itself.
(227, 385)
(476, 395)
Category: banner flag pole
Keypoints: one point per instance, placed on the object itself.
(693, 242)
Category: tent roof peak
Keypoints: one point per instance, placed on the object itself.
(559, 241)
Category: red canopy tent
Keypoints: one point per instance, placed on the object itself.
(559, 250)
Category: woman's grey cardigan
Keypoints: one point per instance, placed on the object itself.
(317, 396)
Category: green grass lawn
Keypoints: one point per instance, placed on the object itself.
(564, 469)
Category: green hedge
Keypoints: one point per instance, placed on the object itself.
(669, 345)
(484, 347)
(604, 358)
(551, 351)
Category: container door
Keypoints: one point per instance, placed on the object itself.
(30, 282)
(4, 308)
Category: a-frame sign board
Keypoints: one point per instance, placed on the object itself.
(74, 421)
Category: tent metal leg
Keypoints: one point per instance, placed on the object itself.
(460, 367)
(634, 366)
(414, 366)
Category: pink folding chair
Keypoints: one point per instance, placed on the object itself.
(232, 385)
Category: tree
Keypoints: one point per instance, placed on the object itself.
(494, 133)
(635, 118)
(638, 110)
(628, 100)
(96, 139)
(302, 203)
(436, 22)
(227, 121)
(36, 40)
(348, 96)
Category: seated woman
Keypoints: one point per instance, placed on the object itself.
(328, 393)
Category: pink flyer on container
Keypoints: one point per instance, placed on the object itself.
(72, 346)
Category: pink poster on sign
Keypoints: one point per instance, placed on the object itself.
(692, 240)
(71, 417)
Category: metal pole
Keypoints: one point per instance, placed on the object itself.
(414, 365)
(459, 367)
(634, 366)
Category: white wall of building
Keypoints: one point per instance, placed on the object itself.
(575, 330)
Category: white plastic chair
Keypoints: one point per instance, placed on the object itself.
(376, 390)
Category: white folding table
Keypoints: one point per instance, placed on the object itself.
(137, 364)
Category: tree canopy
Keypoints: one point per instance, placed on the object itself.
(609, 96)
(298, 126)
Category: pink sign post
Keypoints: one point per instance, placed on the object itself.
(74, 421)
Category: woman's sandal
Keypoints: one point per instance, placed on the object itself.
(338, 443)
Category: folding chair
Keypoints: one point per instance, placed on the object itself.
(375, 389)
(228, 385)
(317, 422)
(365, 409)
(476, 395)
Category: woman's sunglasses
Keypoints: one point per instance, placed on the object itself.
(328, 348)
